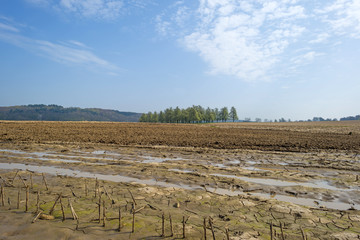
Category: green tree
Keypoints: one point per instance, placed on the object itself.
(185, 118)
(194, 115)
(233, 114)
(212, 115)
(224, 113)
(169, 113)
(177, 115)
(161, 117)
(208, 115)
(143, 118)
(217, 115)
(149, 117)
(155, 117)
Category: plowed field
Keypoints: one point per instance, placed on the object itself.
(222, 180)
(302, 137)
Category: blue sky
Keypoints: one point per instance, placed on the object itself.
(270, 59)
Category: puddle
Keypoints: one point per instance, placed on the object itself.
(254, 169)
(296, 200)
(38, 154)
(219, 165)
(149, 159)
(234, 162)
(310, 202)
(281, 183)
(181, 170)
(226, 165)
(251, 162)
(44, 156)
(119, 178)
(76, 173)
(283, 163)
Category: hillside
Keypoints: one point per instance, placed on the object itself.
(58, 113)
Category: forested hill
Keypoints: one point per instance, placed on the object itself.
(42, 112)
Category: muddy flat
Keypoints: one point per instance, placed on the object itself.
(235, 180)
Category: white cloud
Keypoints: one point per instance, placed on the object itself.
(95, 9)
(78, 44)
(103, 9)
(245, 39)
(343, 17)
(39, 2)
(70, 52)
(305, 58)
(69, 55)
(162, 26)
(320, 38)
(174, 23)
(8, 27)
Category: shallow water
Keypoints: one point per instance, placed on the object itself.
(281, 183)
(76, 173)
(254, 169)
(181, 170)
(120, 178)
(44, 156)
(149, 159)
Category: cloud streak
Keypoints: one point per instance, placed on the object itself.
(70, 53)
(102, 9)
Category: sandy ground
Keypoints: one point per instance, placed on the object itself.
(311, 193)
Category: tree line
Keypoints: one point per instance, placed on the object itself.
(194, 114)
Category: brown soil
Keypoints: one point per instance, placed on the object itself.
(301, 137)
(196, 171)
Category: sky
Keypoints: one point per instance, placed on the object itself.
(295, 59)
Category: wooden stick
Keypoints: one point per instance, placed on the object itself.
(303, 234)
(2, 195)
(282, 232)
(27, 199)
(139, 209)
(57, 199)
(133, 219)
(96, 187)
(99, 203)
(271, 231)
(31, 180)
(104, 214)
(25, 185)
(107, 194)
(163, 225)
(171, 226)
(6, 182)
(36, 217)
(119, 229)
(212, 228)
(132, 197)
(18, 199)
(227, 234)
(86, 188)
(75, 216)
(204, 226)
(183, 222)
(15, 176)
(9, 202)
(73, 192)
(38, 201)
(62, 210)
(43, 175)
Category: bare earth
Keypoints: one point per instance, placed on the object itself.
(301, 178)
